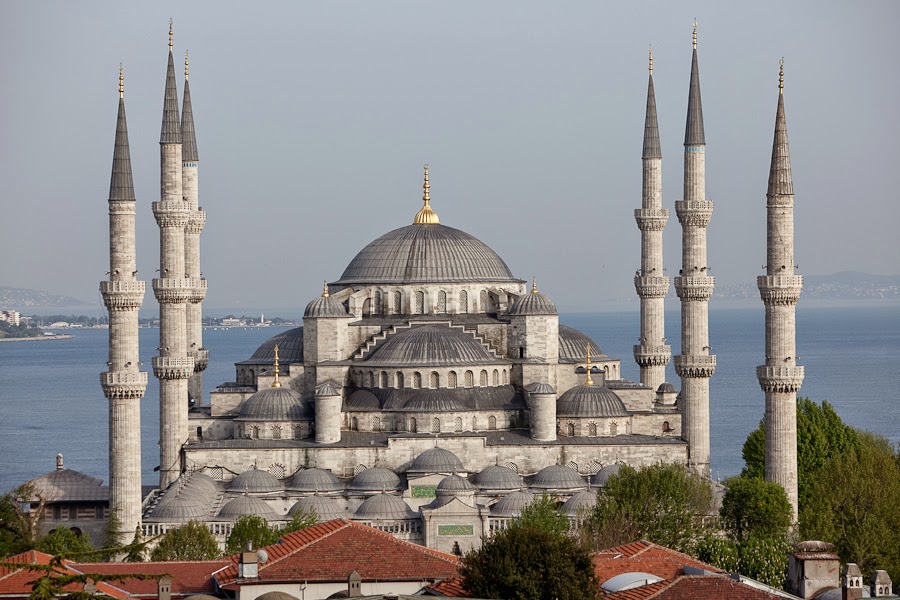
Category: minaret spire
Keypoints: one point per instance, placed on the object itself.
(171, 129)
(693, 133)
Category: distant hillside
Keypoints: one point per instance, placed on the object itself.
(846, 285)
(20, 299)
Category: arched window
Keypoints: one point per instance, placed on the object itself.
(665, 427)
(399, 380)
(298, 432)
(435, 425)
(367, 306)
(613, 428)
(483, 301)
(451, 379)
(354, 424)
(469, 379)
(413, 428)
(495, 377)
(371, 379)
(463, 302)
(379, 304)
(492, 422)
(442, 302)
(276, 432)
(592, 429)
(398, 302)
(398, 424)
(434, 381)
(384, 379)
(458, 424)
(420, 303)
(474, 423)
(482, 380)
(376, 424)
(417, 380)
(254, 432)
(505, 377)
(570, 429)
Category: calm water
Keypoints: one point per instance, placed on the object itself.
(51, 400)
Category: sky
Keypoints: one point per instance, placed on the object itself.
(314, 120)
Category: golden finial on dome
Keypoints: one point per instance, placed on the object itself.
(276, 383)
(426, 216)
(121, 81)
(185, 65)
(171, 36)
(695, 34)
(587, 365)
(534, 289)
(324, 288)
(651, 60)
(781, 76)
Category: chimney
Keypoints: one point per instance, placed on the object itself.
(354, 585)
(90, 587)
(851, 583)
(164, 588)
(812, 567)
(880, 585)
(248, 567)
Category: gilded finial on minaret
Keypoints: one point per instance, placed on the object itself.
(426, 216)
(324, 288)
(781, 76)
(587, 365)
(651, 60)
(171, 36)
(695, 34)
(534, 289)
(121, 82)
(276, 383)
(185, 65)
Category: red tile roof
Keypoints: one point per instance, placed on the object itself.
(451, 587)
(330, 551)
(690, 587)
(646, 557)
(16, 582)
(188, 578)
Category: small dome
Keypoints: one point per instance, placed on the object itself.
(201, 597)
(326, 509)
(362, 400)
(602, 476)
(496, 477)
(243, 506)
(580, 504)
(666, 388)
(533, 303)
(276, 596)
(255, 481)
(325, 307)
(592, 401)
(572, 344)
(275, 404)
(375, 479)
(178, 510)
(454, 484)
(512, 504)
(315, 480)
(290, 348)
(436, 460)
(557, 477)
(431, 345)
(384, 506)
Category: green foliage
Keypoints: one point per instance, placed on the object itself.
(662, 503)
(300, 521)
(192, 541)
(764, 559)
(542, 514)
(135, 551)
(530, 563)
(66, 543)
(250, 529)
(755, 507)
(854, 505)
(821, 434)
(19, 528)
(720, 552)
(53, 578)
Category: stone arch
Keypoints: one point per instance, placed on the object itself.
(384, 379)
(397, 307)
(570, 429)
(505, 377)
(592, 429)
(495, 378)
(420, 302)
(613, 428)
(469, 379)
(442, 302)
(399, 378)
(483, 378)
(483, 301)
(367, 306)
(451, 379)
(254, 432)
(474, 423)
(276, 432)
(492, 423)
(413, 427)
(379, 304)
(463, 301)
(435, 425)
(434, 380)
(417, 380)
(457, 422)
(354, 424)
(376, 424)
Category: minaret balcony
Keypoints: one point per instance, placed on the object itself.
(695, 365)
(695, 288)
(782, 379)
(123, 384)
(178, 290)
(651, 287)
(780, 290)
(201, 359)
(696, 213)
(195, 222)
(173, 367)
(171, 214)
(652, 356)
(651, 219)
(122, 295)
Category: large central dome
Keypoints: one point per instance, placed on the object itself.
(426, 253)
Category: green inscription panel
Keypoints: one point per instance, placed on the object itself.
(423, 491)
(455, 530)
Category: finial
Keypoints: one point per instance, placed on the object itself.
(121, 81)
(695, 34)
(171, 45)
(426, 186)
(587, 365)
(185, 65)
(324, 288)
(781, 76)
(651, 60)
(534, 289)
(276, 383)
(426, 215)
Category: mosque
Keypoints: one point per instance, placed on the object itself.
(430, 392)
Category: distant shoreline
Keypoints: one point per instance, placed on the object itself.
(61, 336)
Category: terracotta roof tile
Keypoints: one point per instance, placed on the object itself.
(690, 587)
(188, 577)
(17, 581)
(451, 587)
(646, 557)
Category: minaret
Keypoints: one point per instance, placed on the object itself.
(123, 382)
(652, 353)
(173, 366)
(695, 365)
(192, 230)
(781, 377)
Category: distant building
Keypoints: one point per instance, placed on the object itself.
(10, 316)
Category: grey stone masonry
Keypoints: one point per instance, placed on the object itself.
(780, 377)
(695, 365)
(652, 354)
(123, 383)
(173, 289)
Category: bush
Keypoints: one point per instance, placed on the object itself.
(192, 541)
(754, 507)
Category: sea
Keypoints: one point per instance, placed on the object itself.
(51, 401)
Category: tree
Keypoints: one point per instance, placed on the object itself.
(720, 552)
(764, 559)
(192, 541)
(135, 552)
(542, 514)
(53, 578)
(530, 563)
(300, 521)
(662, 503)
(854, 504)
(66, 543)
(250, 529)
(755, 507)
(19, 528)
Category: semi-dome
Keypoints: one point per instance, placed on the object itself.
(602, 476)
(290, 348)
(512, 504)
(243, 506)
(276, 596)
(325, 307)
(592, 401)
(496, 477)
(255, 481)
(580, 504)
(557, 477)
(325, 509)
(431, 344)
(572, 344)
(315, 480)
(383, 506)
(274, 404)
(425, 253)
(436, 460)
(532, 304)
(375, 479)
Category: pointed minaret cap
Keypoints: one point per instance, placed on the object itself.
(426, 216)
(170, 132)
(693, 132)
(652, 148)
(276, 383)
(121, 183)
(188, 137)
(780, 178)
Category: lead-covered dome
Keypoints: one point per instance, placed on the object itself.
(428, 345)
(325, 509)
(436, 460)
(512, 504)
(557, 477)
(255, 481)
(375, 479)
(384, 506)
(243, 506)
(572, 344)
(315, 480)
(591, 401)
(425, 253)
(497, 477)
(275, 404)
(580, 504)
(325, 307)
(532, 304)
(290, 348)
(602, 476)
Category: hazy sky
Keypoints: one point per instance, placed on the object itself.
(314, 119)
